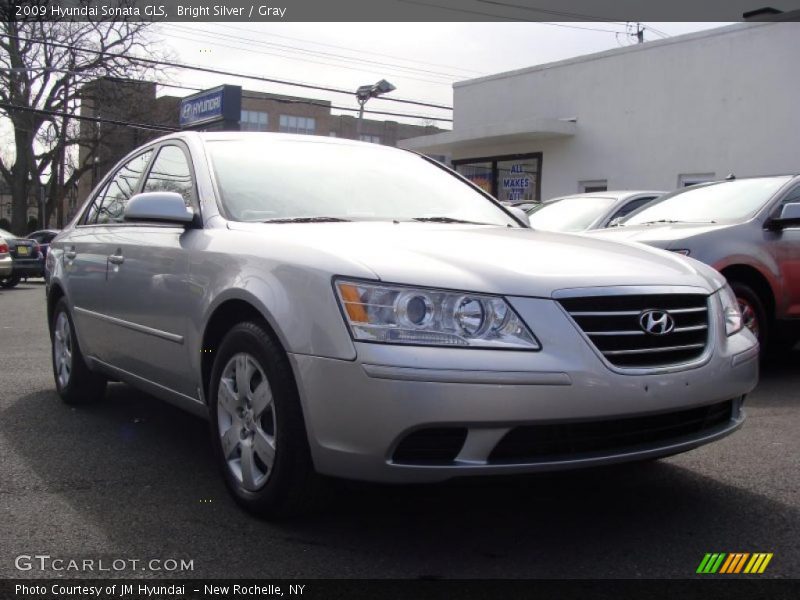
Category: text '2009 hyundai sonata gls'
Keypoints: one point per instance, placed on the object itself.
(348, 309)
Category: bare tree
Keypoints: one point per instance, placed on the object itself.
(43, 67)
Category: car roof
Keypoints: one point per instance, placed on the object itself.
(616, 194)
(211, 136)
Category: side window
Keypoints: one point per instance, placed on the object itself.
(171, 173)
(632, 206)
(792, 196)
(111, 207)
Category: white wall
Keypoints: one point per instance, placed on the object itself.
(714, 102)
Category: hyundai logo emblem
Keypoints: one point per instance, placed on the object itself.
(656, 322)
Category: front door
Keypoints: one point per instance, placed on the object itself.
(148, 284)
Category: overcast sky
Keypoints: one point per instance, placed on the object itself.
(421, 59)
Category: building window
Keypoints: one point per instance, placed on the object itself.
(595, 185)
(687, 179)
(253, 120)
(512, 179)
(292, 124)
(372, 139)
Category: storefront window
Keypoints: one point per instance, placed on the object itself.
(507, 178)
(478, 173)
(517, 180)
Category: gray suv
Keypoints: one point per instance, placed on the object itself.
(346, 309)
(749, 230)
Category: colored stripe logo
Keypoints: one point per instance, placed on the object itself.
(734, 563)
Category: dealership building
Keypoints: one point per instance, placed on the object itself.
(657, 115)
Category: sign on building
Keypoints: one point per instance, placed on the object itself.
(222, 104)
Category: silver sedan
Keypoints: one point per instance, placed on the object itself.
(346, 309)
(583, 212)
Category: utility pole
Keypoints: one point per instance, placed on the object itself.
(62, 159)
(639, 33)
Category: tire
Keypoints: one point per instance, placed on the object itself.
(75, 383)
(9, 282)
(257, 426)
(753, 312)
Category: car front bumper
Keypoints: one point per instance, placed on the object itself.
(360, 413)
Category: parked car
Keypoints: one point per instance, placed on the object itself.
(27, 260)
(43, 238)
(355, 310)
(6, 263)
(749, 230)
(582, 212)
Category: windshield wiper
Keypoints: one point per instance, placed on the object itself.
(445, 220)
(308, 220)
(674, 221)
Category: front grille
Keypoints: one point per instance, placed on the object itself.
(613, 325)
(554, 441)
(435, 445)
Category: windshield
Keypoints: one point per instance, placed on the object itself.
(570, 214)
(736, 200)
(317, 181)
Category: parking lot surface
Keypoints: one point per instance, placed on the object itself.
(133, 478)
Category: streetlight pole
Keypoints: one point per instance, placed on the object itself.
(364, 93)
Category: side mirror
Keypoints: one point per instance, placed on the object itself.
(163, 207)
(615, 222)
(789, 217)
(520, 214)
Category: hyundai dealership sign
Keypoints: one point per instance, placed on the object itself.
(223, 103)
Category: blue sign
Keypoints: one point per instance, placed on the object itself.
(210, 106)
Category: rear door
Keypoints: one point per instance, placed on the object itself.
(148, 282)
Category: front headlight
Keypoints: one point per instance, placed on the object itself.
(394, 314)
(730, 310)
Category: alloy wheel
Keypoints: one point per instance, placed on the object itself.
(246, 421)
(62, 349)
(749, 317)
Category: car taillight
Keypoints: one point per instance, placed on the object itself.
(3, 248)
(37, 247)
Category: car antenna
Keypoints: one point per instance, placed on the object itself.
(730, 177)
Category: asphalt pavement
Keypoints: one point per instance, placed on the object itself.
(133, 478)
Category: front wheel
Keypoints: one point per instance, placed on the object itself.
(9, 282)
(257, 425)
(754, 315)
(75, 383)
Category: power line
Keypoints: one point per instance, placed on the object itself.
(262, 52)
(163, 63)
(547, 11)
(497, 16)
(312, 102)
(56, 113)
(350, 49)
(287, 48)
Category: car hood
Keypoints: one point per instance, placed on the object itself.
(510, 261)
(661, 236)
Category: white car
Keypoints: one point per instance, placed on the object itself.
(359, 311)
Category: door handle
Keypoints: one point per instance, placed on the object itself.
(70, 254)
(116, 259)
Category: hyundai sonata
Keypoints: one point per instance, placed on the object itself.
(346, 309)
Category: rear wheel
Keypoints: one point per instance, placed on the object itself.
(9, 282)
(754, 315)
(75, 383)
(257, 425)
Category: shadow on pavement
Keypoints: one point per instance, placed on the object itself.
(141, 472)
